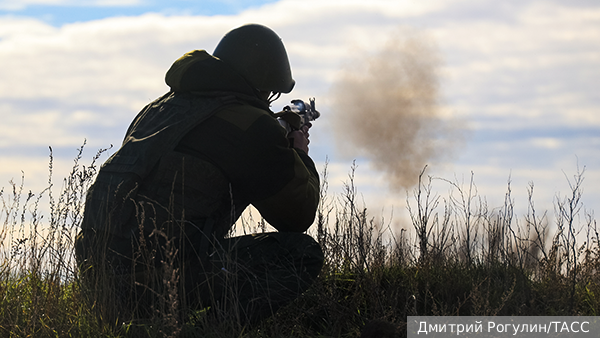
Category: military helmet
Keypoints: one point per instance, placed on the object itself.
(257, 53)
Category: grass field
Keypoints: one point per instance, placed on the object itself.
(462, 257)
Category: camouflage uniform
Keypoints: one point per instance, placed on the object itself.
(157, 217)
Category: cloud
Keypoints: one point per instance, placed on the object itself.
(543, 58)
(506, 68)
(110, 68)
(547, 142)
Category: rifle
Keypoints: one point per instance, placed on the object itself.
(297, 114)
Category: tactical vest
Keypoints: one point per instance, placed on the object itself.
(156, 131)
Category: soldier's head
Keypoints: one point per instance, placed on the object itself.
(257, 53)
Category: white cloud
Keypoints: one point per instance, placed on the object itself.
(50, 128)
(546, 142)
(543, 53)
(530, 65)
(17, 28)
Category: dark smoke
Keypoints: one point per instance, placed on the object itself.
(386, 108)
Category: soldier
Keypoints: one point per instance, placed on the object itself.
(154, 234)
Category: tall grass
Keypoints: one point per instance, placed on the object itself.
(39, 290)
(461, 257)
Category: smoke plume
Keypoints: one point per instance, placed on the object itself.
(386, 108)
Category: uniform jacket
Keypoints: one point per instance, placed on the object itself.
(199, 156)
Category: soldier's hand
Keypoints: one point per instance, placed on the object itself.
(300, 138)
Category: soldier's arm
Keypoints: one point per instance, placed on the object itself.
(254, 153)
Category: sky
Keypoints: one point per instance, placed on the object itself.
(516, 80)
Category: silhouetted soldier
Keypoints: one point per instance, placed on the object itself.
(154, 234)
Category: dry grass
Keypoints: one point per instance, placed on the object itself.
(465, 258)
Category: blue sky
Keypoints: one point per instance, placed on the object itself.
(520, 77)
(58, 13)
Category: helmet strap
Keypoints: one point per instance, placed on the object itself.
(273, 97)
